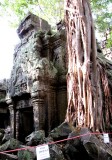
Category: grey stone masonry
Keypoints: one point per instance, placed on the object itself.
(37, 86)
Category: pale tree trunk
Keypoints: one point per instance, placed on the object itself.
(85, 78)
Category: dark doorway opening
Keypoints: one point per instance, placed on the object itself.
(26, 123)
(4, 120)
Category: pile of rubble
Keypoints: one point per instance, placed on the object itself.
(87, 147)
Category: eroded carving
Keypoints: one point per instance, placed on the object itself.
(39, 65)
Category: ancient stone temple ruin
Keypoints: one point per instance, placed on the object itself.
(35, 96)
(4, 112)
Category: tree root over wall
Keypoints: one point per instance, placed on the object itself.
(89, 91)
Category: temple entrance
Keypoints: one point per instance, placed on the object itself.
(4, 120)
(26, 123)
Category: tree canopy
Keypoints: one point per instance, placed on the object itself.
(53, 11)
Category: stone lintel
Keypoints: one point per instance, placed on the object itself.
(31, 22)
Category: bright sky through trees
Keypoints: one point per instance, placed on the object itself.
(8, 39)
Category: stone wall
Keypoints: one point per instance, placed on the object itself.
(37, 86)
(4, 114)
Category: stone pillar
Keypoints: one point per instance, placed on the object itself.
(61, 103)
(17, 124)
(11, 111)
(38, 110)
(52, 114)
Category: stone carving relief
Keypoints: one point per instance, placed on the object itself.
(41, 72)
(35, 87)
(23, 104)
(31, 70)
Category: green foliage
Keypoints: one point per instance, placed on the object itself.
(109, 40)
(102, 11)
(15, 10)
(53, 11)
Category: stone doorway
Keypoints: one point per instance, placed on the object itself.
(26, 123)
(4, 120)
